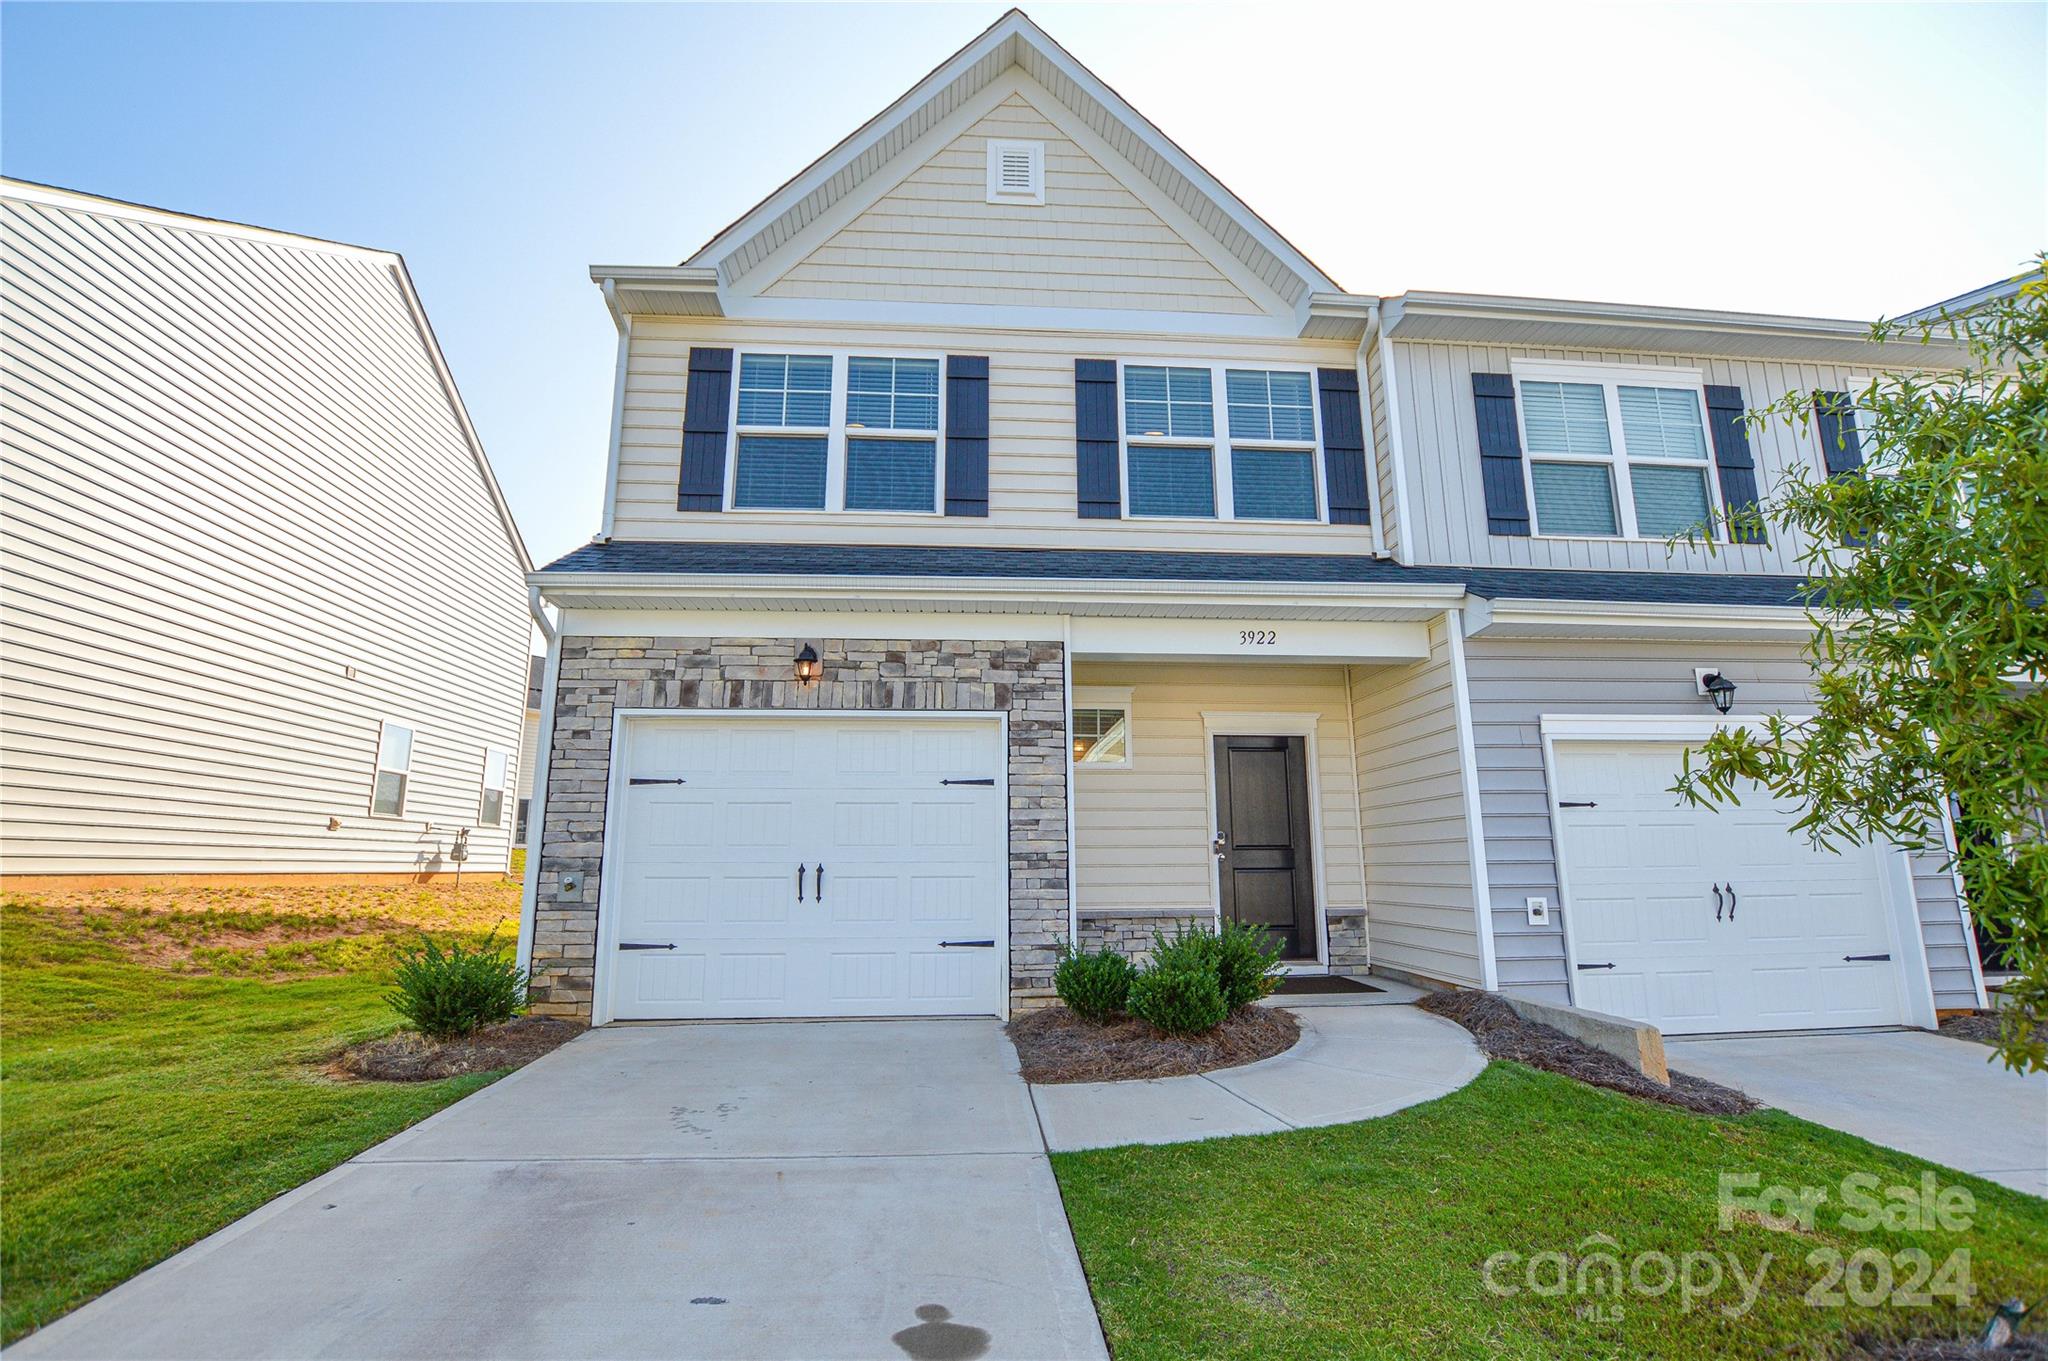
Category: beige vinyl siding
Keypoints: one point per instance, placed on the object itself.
(1440, 439)
(1419, 887)
(1142, 835)
(1516, 681)
(934, 237)
(1031, 441)
(233, 472)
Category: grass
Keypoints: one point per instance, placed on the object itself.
(158, 1063)
(1368, 1240)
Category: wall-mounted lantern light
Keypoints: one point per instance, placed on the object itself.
(807, 664)
(1719, 689)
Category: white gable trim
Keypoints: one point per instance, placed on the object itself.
(1012, 41)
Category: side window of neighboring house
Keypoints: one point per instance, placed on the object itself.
(520, 817)
(1259, 462)
(394, 771)
(836, 432)
(497, 779)
(1615, 453)
(1102, 727)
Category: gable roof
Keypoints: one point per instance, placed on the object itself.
(1015, 41)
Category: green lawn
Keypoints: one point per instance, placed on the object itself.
(1368, 1240)
(154, 1070)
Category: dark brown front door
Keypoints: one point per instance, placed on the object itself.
(1262, 839)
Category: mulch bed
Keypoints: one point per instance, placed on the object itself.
(1055, 1045)
(1982, 1027)
(1504, 1035)
(407, 1057)
(2026, 1347)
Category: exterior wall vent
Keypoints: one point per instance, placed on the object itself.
(1016, 172)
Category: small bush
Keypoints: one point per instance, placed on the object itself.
(1180, 999)
(1243, 958)
(446, 994)
(1093, 986)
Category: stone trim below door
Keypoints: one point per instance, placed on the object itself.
(600, 675)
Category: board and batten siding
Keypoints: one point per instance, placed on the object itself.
(1440, 441)
(1031, 455)
(1418, 863)
(1142, 835)
(934, 237)
(1514, 682)
(233, 472)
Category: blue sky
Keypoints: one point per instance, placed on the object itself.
(1837, 160)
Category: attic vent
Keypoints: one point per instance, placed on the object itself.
(1016, 172)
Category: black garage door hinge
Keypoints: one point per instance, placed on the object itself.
(1863, 959)
(643, 945)
(1596, 966)
(989, 781)
(1588, 803)
(955, 944)
(657, 779)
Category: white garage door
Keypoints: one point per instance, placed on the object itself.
(791, 866)
(1796, 938)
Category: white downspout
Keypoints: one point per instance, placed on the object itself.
(1475, 821)
(1073, 796)
(1404, 543)
(544, 741)
(1372, 448)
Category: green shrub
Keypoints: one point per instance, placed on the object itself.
(446, 994)
(1180, 999)
(1093, 986)
(1243, 958)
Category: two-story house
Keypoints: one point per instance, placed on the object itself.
(1011, 540)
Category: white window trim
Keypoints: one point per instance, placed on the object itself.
(1035, 196)
(834, 433)
(504, 789)
(1107, 697)
(1220, 443)
(1611, 378)
(377, 766)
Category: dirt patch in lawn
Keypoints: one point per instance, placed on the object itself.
(1055, 1045)
(1504, 1035)
(1982, 1027)
(2025, 1348)
(408, 1057)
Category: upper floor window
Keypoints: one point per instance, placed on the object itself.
(393, 773)
(1263, 467)
(836, 431)
(1615, 453)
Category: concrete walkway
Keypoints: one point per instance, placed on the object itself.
(704, 1191)
(1353, 1063)
(1941, 1099)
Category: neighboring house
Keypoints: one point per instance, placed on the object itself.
(264, 611)
(529, 743)
(1012, 540)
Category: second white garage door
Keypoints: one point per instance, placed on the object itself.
(807, 866)
(1701, 920)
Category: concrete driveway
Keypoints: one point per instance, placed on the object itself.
(846, 1189)
(1925, 1094)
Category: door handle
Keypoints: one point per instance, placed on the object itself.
(801, 867)
(1220, 847)
(1717, 902)
(818, 893)
(1731, 900)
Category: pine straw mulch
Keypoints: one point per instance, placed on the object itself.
(1982, 1027)
(1055, 1045)
(1504, 1035)
(409, 1057)
(2026, 1347)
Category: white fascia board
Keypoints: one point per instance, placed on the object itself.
(1499, 618)
(1337, 316)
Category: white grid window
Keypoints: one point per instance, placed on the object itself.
(393, 772)
(497, 779)
(1616, 453)
(1102, 727)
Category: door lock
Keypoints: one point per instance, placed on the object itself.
(1220, 846)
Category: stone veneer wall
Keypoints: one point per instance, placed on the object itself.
(602, 674)
(1347, 940)
(1129, 931)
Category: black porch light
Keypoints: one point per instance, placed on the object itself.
(807, 664)
(1719, 689)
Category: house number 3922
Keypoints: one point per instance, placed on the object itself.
(1257, 637)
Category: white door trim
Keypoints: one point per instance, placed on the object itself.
(607, 887)
(1895, 873)
(1221, 723)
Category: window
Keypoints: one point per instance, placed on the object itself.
(1175, 466)
(845, 432)
(497, 778)
(1102, 727)
(394, 771)
(1016, 172)
(520, 817)
(1615, 453)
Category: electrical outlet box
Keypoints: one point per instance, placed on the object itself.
(572, 883)
(1539, 911)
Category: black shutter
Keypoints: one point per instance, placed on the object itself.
(706, 408)
(1732, 457)
(1344, 470)
(1839, 443)
(967, 434)
(1098, 483)
(1500, 454)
